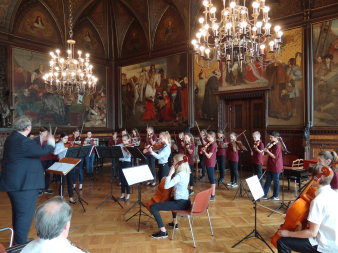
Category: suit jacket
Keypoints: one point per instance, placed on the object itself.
(21, 165)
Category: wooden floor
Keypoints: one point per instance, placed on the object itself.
(105, 229)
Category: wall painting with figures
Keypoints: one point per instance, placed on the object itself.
(325, 73)
(155, 93)
(283, 73)
(31, 98)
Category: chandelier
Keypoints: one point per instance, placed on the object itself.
(236, 37)
(69, 74)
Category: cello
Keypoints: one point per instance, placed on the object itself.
(163, 194)
(298, 212)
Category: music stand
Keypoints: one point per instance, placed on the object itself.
(79, 152)
(137, 175)
(257, 192)
(241, 186)
(110, 152)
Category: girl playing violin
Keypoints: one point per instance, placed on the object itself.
(274, 165)
(233, 158)
(163, 154)
(204, 141)
(61, 150)
(189, 152)
(209, 151)
(181, 197)
(91, 158)
(125, 162)
(76, 140)
(321, 232)
(151, 139)
(220, 155)
(257, 155)
(327, 158)
(135, 137)
(113, 141)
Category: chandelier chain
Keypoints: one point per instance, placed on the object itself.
(70, 20)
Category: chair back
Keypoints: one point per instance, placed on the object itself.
(201, 202)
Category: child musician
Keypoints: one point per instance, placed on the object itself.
(181, 195)
(233, 158)
(60, 150)
(189, 152)
(209, 151)
(204, 141)
(135, 137)
(274, 165)
(76, 140)
(91, 158)
(326, 158)
(113, 141)
(163, 154)
(220, 155)
(257, 155)
(151, 139)
(125, 162)
(180, 143)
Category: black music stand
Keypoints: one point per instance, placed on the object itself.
(79, 152)
(134, 179)
(257, 192)
(241, 187)
(110, 152)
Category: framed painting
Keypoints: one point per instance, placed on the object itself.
(31, 98)
(325, 73)
(155, 93)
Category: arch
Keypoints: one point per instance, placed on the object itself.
(135, 42)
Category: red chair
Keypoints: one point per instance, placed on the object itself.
(199, 207)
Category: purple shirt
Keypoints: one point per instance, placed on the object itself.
(232, 155)
(257, 158)
(211, 162)
(221, 147)
(334, 182)
(275, 165)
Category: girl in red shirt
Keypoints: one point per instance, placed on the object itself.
(220, 155)
(209, 151)
(232, 156)
(274, 165)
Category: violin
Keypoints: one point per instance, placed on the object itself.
(158, 146)
(162, 194)
(298, 212)
(270, 145)
(205, 147)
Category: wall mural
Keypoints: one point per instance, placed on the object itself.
(325, 73)
(155, 93)
(32, 99)
(283, 73)
(207, 80)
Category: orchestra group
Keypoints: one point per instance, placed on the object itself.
(177, 158)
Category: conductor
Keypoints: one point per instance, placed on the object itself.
(22, 175)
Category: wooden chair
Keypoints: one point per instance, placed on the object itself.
(199, 207)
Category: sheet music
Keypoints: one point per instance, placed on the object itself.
(255, 187)
(64, 168)
(137, 174)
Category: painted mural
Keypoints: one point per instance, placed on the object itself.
(155, 93)
(207, 79)
(31, 98)
(325, 73)
(283, 73)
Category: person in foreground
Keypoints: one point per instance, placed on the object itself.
(52, 223)
(23, 175)
(321, 235)
(181, 199)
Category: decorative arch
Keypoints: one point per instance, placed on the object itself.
(135, 41)
(170, 30)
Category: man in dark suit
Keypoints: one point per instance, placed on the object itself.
(22, 175)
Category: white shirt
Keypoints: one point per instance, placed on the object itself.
(324, 212)
(56, 245)
(180, 181)
(60, 150)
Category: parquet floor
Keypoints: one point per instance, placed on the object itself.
(105, 230)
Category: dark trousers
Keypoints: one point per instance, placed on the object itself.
(46, 164)
(211, 172)
(257, 169)
(202, 163)
(180, 204)
(151, 163)
(191, 180)
(125, 188)
(23, 208)
(286, 244)
(163, 171)
(68, 179)
(221, 165)
(269, 177)
(233, 172)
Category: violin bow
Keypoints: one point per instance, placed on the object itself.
(283, 144)
(55, 130)
(246, 139)
(199, 131)
(81, 129)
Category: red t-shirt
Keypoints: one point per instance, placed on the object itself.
(49, 157)
(232, 155)
(211, 162)
(275, 165)
(190, 156)
(334, 182)
(202, 145)
(257, 158)
(221, 147)
(180, 146)
(113, 142)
